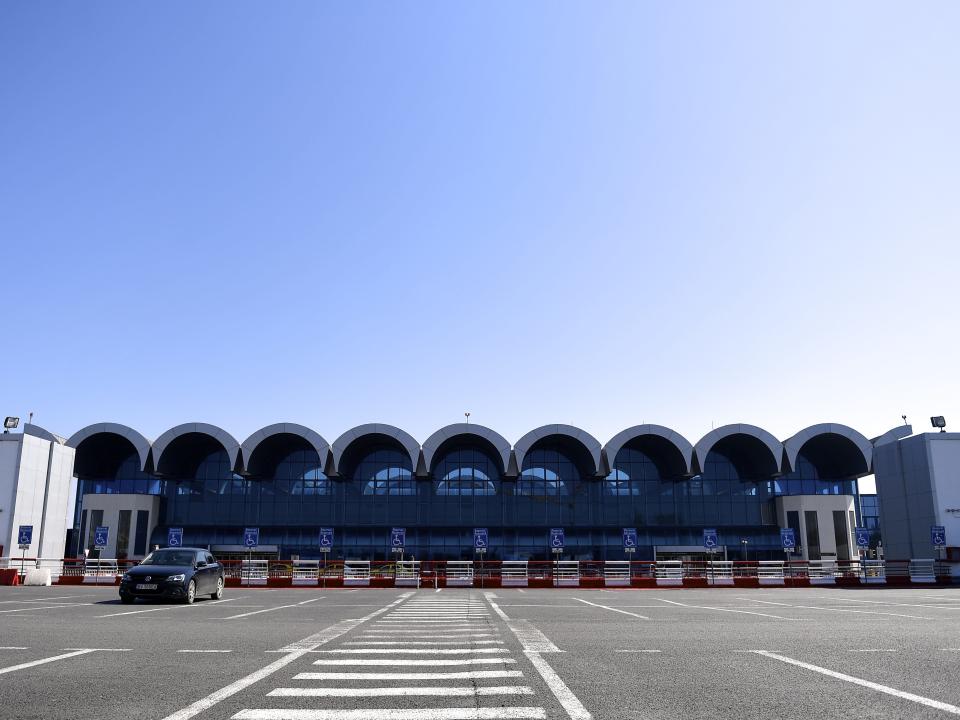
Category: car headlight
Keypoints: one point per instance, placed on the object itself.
(177, 578)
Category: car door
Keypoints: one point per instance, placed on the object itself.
(214, 569)
(202, 575)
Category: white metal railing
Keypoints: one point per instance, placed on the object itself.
(305, 572)
(513, 573)
(407, 573)
(459, 573)
(873, 572)
(669, 570)
(356, 572)
(720, 572)
(616, 573)
(923, 571)
(97, 570)
(254, 570)
(566, 573)
(770, 572)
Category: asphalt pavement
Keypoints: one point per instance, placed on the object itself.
(69, 652)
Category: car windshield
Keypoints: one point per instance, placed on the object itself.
(169, 557)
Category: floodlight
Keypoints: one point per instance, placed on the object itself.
(10, 423)
(939, 422)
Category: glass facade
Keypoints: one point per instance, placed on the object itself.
(466, 487)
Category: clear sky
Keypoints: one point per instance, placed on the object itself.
(600, 214)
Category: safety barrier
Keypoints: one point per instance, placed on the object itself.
(923, 571)
(100, 571)
(254, 572)
(306, 573)
(873, 572)
(356, 573)
(514, 573)
(616, 573)
(566, 573)
(459, 573)
(822, 572)
(407, 573)
(770, 572)
(669, 573)
(720, 573)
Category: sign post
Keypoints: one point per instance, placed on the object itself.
(938, 538)
(788, 541)
(251, 538)
(24, 539)
(863, 542)
(326, 544)
(481, 541)
(100, 537)
(557, 541)
(398, 540)
(175, 537)
(710, 543)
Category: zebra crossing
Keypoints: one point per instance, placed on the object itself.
(432, 658)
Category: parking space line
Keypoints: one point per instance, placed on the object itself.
(707, 607)
(458, 675)
(271, 609)
(34, 663)
(403, 691)
(41, 607)
(204, 651)
(412, 651)
(295, 652)
(846, 610)
(612, 609)
(470, 713)
(946, 707)
(394, 662)
(898, 604)
(209, 603)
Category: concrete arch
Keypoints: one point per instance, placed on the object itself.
(340, 445)
(225, 439)
(262, 437)
(465, 430)
(743, 440)
(662, 436)
(139, 442)
(840, 450)
(575, 434)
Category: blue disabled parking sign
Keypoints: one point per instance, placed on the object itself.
(863, 537)
(481, 539)
(100, 537)
(326, 539)
(710, 539)
(25, 536)
(556, 539)
(398, 539)
(630, 539)
(251, 537)
(788, 539)
(938, 536)
(174, 537)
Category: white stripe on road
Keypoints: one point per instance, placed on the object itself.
(897, 604)
(34, 663)
(402, 642)
(295, 652)
(42, 607)
(414, 651)
(952, 709)
(17, 647)
(465, 675)
(384, 662)
(204, 651)
(278, 607)
(442, 691)
(844, 610)
(606, 607)
(469, 713)
(209, 603)
(707, 607)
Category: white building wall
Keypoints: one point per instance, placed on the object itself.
(111, 505)
(60, 498)
(31, 479)
(9, 455)
(943, 451)
(824, 506)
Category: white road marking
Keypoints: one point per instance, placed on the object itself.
(952, 709)
(898, 604)
(14, 647)
(404, 691)
(392, 662)
(204, 651)
(405, 643)
(295, 652)
(638, 651)
(464, 675)
(872, 650)
(34, 663)
(612, 609)
(707, 607)
(469, 713)
(41, 607)
(209, 603)
(413, 651)
(846, 610)
(271, 609)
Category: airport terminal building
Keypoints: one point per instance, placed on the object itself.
(288, 481)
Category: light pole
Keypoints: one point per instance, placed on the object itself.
(744, 542)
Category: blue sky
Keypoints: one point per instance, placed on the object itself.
(599, 214)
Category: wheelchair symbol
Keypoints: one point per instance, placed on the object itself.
(24, 538)
(397, 540)
(628, 541)
(174, 541)
(710, 542)
(557, 541)
(250, 540)
(100, 539)
(938, 540)
(481, 541)
(325, 541)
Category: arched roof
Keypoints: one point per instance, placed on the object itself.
(340, 445)
(139, 442)
(585, 439)
(852, 456)
(225, 439)
(466, 430)
(728, 434)
(664, 434)
(264, 435)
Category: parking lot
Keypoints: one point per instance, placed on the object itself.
(386, 654)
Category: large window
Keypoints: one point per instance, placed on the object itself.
(385, 471)
(466, 471)
(547, 473)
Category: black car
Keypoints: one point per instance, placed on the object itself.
(173, 573)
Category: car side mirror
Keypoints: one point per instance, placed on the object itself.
(198, 565)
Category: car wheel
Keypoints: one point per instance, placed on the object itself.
(191, 593)
(126, 599)
(219, 593)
